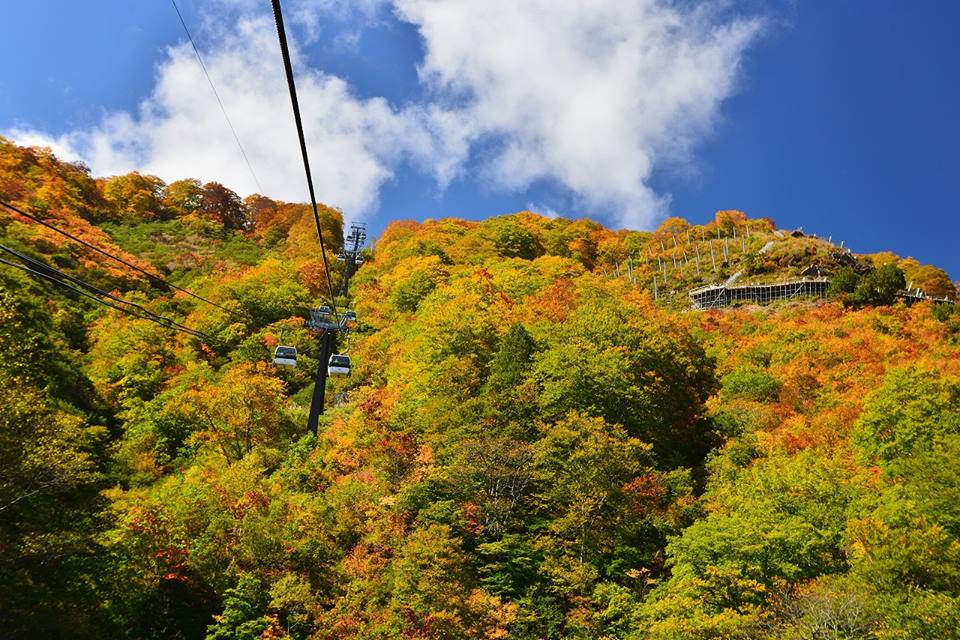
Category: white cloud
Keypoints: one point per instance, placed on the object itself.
(542, 209)
(61, 145)
(309, 13)
(179, 130)
(589, 95)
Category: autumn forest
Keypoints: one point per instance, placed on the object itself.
(539, 438)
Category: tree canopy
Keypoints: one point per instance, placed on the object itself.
(532, 444)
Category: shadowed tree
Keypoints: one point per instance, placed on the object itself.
(220, 203)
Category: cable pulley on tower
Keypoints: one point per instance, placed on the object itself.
(350, 253)
(348, 321)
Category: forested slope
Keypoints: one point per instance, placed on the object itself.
(530, 445)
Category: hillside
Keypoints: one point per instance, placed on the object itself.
(535, 442)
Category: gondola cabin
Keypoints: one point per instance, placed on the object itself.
(339, 365)
(285, 356)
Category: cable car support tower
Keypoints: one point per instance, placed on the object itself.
(324, 320)
(328, 324)
(350, 254)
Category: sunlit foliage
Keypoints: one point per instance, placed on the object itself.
(533, 442)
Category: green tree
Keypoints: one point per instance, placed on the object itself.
(909, 412)
(407, 295)
(880, 286)
(267, 293)
(512, 361)
(771, 527)
(751, 383)
(52, 462)
(50, 474)
(184, 197)
(509, 566)
(32, 352)
(649, 377)
(412, 280)
(582, 466)
(510, 394)
(844, 281)
(905, 548)
(513, 241)
(244, 612)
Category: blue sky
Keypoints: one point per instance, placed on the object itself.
(840, 117)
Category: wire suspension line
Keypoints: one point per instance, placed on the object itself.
(110, 255)
(98, 291)
(216, 94)
(86, 294)
(288, 67)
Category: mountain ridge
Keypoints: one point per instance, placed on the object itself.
(536, 441)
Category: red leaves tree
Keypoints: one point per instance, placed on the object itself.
(223, 205)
